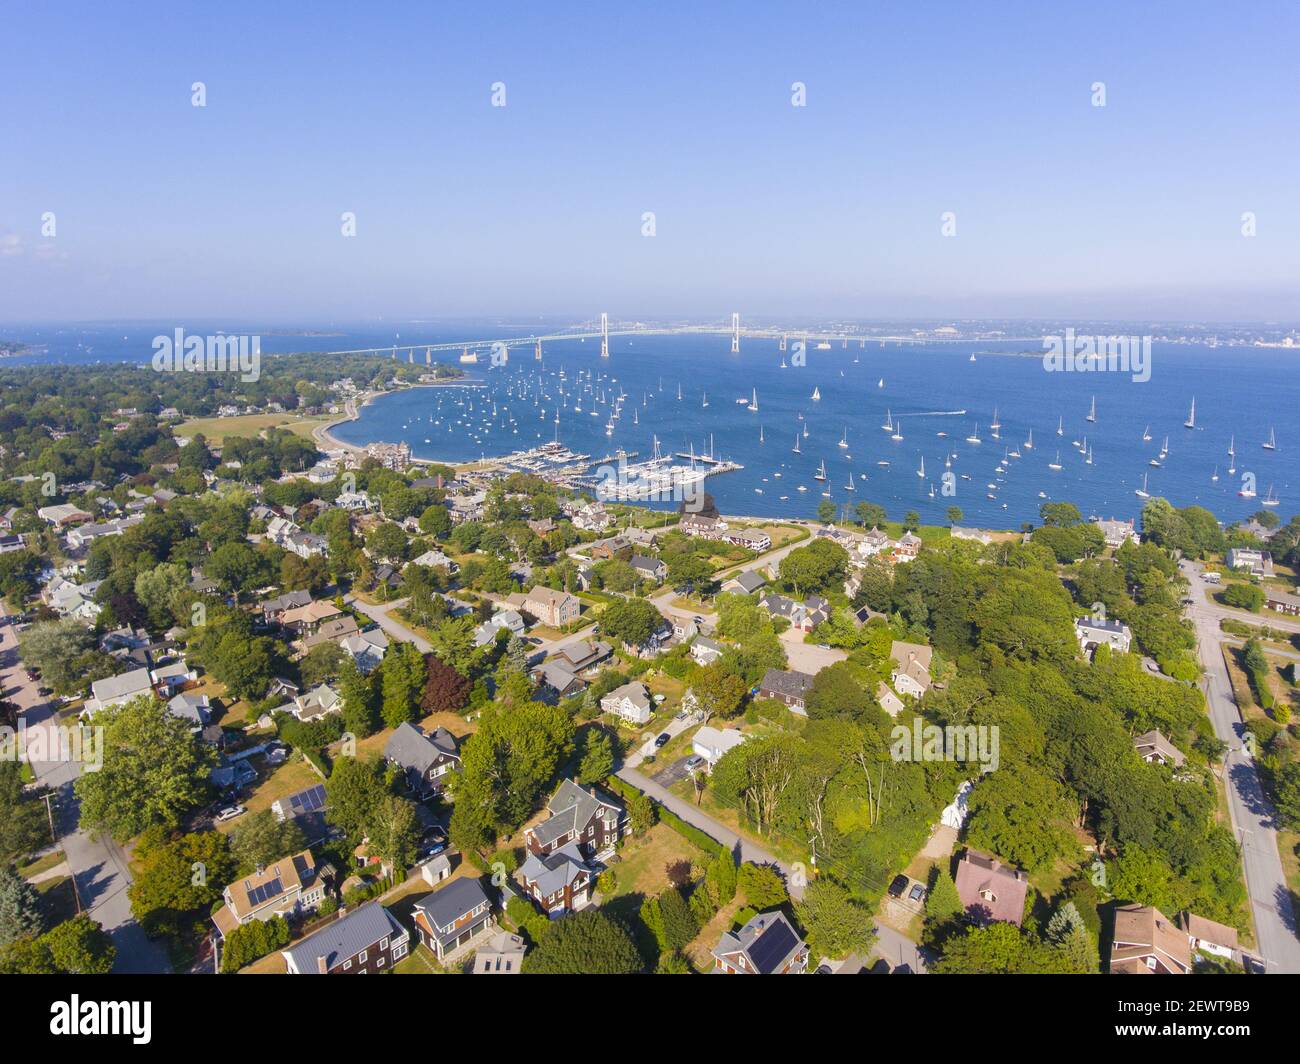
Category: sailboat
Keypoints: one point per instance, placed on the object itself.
(1088, 460)
(1271, 445)
(1246, 492)
(888, 426)
(844, 440)
(1056, 464)
(760, 433)
(921, 472)
(704, 405)
(1142, 492)
(753, 401)
(1060, 426)
(805, 430)
(1146, 434)
(972, 356)
(1232, 455)
(880, 383)
(796, 444)
(821, 471)
(849, 486)
(1092, 412)
(1164, 449)
(995, 424)
(1190, 423)
(679, 389)
(1215, 475)
(783, 365)
(816, 395)
(898, 430)
(1269, 499)
(974, 437)
(1029, 442)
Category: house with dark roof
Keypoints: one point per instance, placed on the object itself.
(648, 568)
(744, 583)
(368, 939)
(580, 816)
(453, 916)
(989, 890)
(1092, 632)
(767, 945)
(560, 881)
(424, 758)
(805, 615)
(786, 686)
(306, 808)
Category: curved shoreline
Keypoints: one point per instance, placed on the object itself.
(353, 406)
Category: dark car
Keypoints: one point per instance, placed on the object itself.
(662, 741)
(898, 885)
(431, 849)
(917, 893)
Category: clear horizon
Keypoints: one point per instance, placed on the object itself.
(1132, 211)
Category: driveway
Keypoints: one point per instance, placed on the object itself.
(808, 657)
(1253, 816)
(99, 867)
(391, 625)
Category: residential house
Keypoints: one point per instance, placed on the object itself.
(1152, 746)
(286, 888)
(453, 916)
(1282, 602)
(63, 515)
(631, 702)
(1207, 936)
(745, 583)
(1117, 533)
(592, 518)
(353, 501)
(552, 608)
(614, 547)
(649, 568)
(1146, 942)
(767, 945)
(560, 880)
(306, 808)
(315, 703)
(989, 890)
(511, 620)
(334, 630)
(582, 655)
(436, 559)
(907, 547)
(118, 690)
(701, 526)
(304, 620)
(543, 527)
(889, 702)
(366, 649)
(502, 954)
(1092, 632)
(711, 743)
(196, 710)
(911, 675)
(10, 543)
(805, 615)
(749, 538)
(273, 610)
(170, 679)
(556, 678)
(579, 816)
(368, 939)
(424, 758)
(788, 687)
(705, 651)
(1256, 562)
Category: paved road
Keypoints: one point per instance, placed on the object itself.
(391, 625)
(1251, 812)
(99, 867)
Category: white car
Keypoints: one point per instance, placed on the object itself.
(230, 812)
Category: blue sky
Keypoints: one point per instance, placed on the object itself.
(1131, 210)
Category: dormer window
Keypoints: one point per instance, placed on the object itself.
(989, 896)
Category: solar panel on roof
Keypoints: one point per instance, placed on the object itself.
(771, 947)
(310, 800)
(261, 893)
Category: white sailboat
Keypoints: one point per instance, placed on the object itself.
(1060, 426)
(705, 404)
(760, 433)
(974, 437)
(850, 486)
(1029, 441)
(753, 401)
(888, 426)
(1271, 445)
(1190, 423)
(1142, 492)
(898, 430)
(844, 440)
(995, 424)
(796, 444)
(1057, 463)
(1092, 412)
(816, 395)
(1146, 434)
(880, 383)
(821, 471)
(1269, 499)
(1215, 475)
(921, 472)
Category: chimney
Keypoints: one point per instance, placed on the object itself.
(322, 965)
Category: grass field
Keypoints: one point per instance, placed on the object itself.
(216, 429)
(644, 860)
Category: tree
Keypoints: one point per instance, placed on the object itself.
(261, 838)
(870, 513)
(1244, 597)
(814, 568)
(178, 879)
(631, 621)
(834, 922)
(21, 912)
(354, 790)
(154, 771)
(999, 949)
(253, 940)
(954, 515)
(445, 689)
(516, 656)
(677, 920)
(80, 947)
(435, 521)
(719, 691)
(597, 755)
(943, 903)
(826, 511)
(323, 662)
(1066, 931)
(161, 591)
(762, 886)
(360, 694)
(393, 830)
(402, 679)
(53, 647)
(641, 813)
(1023, 815)
(721, 877)
(585, 943)
(24, 826)
(387, 542)
(236, 567)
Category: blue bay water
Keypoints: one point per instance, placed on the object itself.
(1239, 391)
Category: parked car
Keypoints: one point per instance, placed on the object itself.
(898, 885)
(698, 620)
(428, 850)
(694, 761)
(917, 893)
(662, 741)
(230, 812)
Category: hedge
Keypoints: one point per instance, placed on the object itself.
(689, 832)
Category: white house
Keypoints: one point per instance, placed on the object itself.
(1094, 631)
(631, 702)
(711, 743)
(117, 690)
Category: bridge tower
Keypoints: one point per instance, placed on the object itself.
(783, 341)
(735, 334)
(410, 356)
(428, 356)
(604, 335)
(538, 354)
